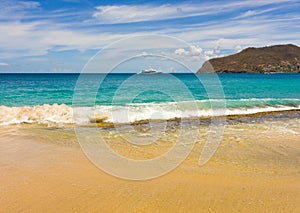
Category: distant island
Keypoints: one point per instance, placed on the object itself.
(270, 59)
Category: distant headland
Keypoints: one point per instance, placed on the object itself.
(270, 59)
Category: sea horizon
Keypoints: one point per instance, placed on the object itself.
(32, 90)
(149, 106)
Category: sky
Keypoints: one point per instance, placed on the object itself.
(64, 35)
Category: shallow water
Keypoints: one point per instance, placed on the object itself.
(44, 166)
(255, 167)
(126, 98)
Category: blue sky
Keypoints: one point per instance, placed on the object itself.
(62, 35)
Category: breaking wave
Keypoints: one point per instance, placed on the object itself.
(42, 114)
(63, 114)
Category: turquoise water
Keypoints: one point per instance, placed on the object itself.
(126, 98)
(240, 90)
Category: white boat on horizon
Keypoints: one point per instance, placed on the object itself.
(150, 71)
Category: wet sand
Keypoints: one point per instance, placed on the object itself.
(255, 169)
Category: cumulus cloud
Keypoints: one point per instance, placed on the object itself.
(193, 54)
(238, 48)
(209, 53)
(193, 51)
(196, 53)
(181, 51)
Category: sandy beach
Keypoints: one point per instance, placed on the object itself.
(255, 169)
(150, 106)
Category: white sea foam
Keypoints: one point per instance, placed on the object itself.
(129, 114)
(63, 114)
(38, 114)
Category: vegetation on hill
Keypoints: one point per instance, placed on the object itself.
(271, 59)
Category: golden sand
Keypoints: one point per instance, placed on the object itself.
(255, 169)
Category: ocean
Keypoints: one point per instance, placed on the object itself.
(125, 98)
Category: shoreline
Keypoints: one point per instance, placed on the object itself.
(63, 115)
(43, 166)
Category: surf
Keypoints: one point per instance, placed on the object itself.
(141, 112)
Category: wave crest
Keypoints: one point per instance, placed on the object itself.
(131, 113)
(42, 114)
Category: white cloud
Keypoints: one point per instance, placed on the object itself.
(4, 64)
(37, 38)
(18, 38)
(247, 14)
(193, 51)
(194, 56)
(181, 51)
(253, 31)
(13, 10)
(238, 48)
(250, 13)
(12, 5)
(209, 53)
(136, 13)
